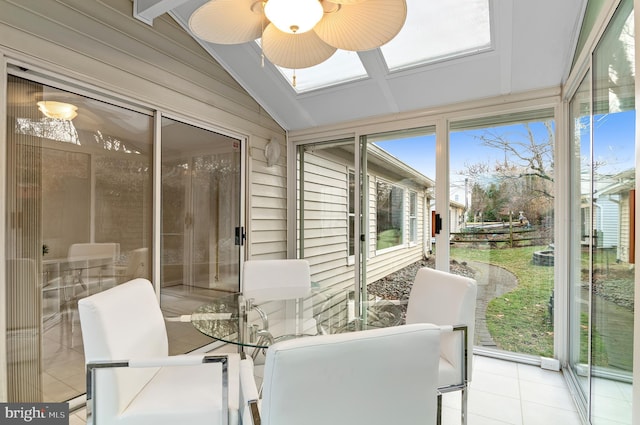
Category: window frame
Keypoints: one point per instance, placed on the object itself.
(413, 218)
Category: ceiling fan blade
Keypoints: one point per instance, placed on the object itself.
(345, 1)
(294, 51)
(228, 21)
(364, 25)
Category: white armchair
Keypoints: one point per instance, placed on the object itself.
(131, 379)
(374, 377)
(446, 299)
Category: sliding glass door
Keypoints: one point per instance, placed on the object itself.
(326, 215)
(78, 222)
(582, 233)
(502, 167)
(200, 214)
(397, 203)
(603, 226)
(364, 224)
(612, 212)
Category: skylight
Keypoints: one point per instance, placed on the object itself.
(433, 31)
(343, 66)
(437, 30)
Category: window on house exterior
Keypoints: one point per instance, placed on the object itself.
(389, 217)
(413, 217)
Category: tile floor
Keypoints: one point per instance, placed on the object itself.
(501, 393)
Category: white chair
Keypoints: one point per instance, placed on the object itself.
(274, 280)
(137, 264)
(374, 377)
(447, 299)
(268, 280)
(92, 266)
(94, 250)
(89, 269)
(131, 379)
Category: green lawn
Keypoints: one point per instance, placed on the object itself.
(519, 320)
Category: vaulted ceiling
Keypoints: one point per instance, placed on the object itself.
(532, 48)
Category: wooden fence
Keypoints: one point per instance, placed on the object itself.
(496, 235)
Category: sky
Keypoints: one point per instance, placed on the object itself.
(613, 134)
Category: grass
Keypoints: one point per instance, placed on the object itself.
(519, 320)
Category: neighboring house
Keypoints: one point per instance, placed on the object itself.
(456, 216)
(399, 201)
(613, 214)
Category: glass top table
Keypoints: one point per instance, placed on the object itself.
(235, 320)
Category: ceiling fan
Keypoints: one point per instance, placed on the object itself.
(299, 34)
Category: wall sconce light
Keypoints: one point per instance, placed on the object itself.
(272, 152)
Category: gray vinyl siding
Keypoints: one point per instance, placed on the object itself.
(607, 221)
(326, 220)
(326, 226)
(267, 217)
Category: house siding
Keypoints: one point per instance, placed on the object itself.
(625, 229)
(607, 221)
(326, 230)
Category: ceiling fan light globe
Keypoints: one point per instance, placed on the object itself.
(294, 16)
(58, 110)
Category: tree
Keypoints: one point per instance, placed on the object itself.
(521, 181)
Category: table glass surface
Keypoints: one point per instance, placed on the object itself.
(233, 320)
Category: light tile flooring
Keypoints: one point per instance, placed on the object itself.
(501, 393)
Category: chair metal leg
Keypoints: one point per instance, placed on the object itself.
(439, 409)
(463, 407)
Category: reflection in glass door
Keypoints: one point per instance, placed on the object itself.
(200, 214)
(78, 222)
(603, 210)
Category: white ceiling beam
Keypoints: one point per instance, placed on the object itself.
(147, 10)
(375, 65)
(503, 34)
